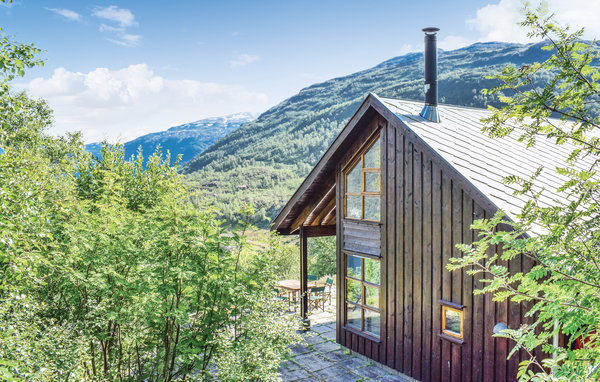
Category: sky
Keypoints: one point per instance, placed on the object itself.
(116, 70)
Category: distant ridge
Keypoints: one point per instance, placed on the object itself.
(189, 139)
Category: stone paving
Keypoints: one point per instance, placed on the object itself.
(319, 358)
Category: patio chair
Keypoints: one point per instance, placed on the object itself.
(282, 296)
(311, 278)
(329, 285)
(317, 297)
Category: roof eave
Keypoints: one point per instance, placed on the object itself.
(370, 101)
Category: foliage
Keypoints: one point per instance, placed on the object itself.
(322, 256)
(562, 290)
(283, 253)
(148, 285)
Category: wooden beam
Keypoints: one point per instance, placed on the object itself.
(310, 207)
(319, 230)
(303, 276)
(324, 212)
(330, 216)
(323, 203)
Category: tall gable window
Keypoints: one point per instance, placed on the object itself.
(363, 185)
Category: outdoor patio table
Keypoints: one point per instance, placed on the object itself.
(294, 286)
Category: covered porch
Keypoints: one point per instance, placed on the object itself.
(316, 219)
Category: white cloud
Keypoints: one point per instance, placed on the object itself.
(121, 16)
(498, 22)
(243, 60)
(409, 48)
(111, 29)
(66, 13)
(126, 39)
(452, 42)
(126, 103)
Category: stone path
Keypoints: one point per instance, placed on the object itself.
(319, 358)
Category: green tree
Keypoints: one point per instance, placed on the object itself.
(322, 256)
(563, 288)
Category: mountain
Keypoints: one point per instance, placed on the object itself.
(264, 161)
(189, 139)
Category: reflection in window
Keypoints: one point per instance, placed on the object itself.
(372, 296)
(363, 185)
(452, 321)
(372, 157)
(363, 279)
(353, 180)
(372, 271)
(353, 291)
(372, 322)
(371, 181)
(354, 264)
(353, 314)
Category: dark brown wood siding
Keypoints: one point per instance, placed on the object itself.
(427, 208)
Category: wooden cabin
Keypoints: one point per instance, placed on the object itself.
(399, 188)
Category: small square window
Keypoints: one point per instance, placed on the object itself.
(452, 320)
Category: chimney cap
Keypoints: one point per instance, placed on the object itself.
(431, 30)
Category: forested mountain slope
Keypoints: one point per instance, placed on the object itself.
(264, 161)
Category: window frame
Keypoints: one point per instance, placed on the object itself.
(363, 306)
(448, 334)
(359, 159)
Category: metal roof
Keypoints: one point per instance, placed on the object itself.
(458, 139)
(485, 161)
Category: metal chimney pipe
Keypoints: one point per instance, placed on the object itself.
(430, 111)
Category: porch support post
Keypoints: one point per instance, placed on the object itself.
(303, 277)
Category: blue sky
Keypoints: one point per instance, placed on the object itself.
(117, 70)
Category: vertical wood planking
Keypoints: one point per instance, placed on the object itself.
(425, 213)
(391, 247)
(456, 276)
(417, 263)
(339, 278)
(377, 352)
(361, 344)
(348, 336)
(489, 322)
(514, 321)
(408, 260)
(501, 343)
(436, 292)
(384, 271)
(527, 265)
(446, 276)
(399, 250)
(478, 314)
(428, 285)
(467, 291)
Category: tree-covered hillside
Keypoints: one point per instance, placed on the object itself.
(264, 161)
